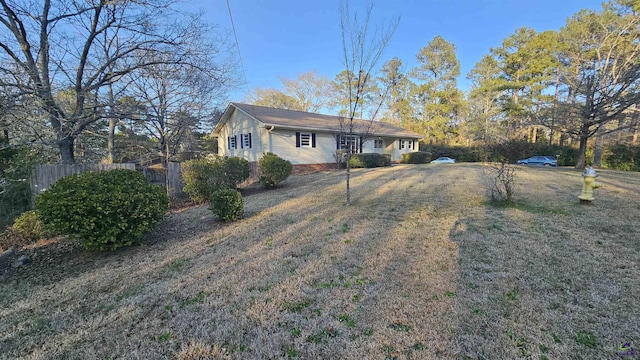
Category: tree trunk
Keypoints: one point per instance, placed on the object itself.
(582, 154)
(348, 166)
(111, 148)
(67, 149)
(598, 149)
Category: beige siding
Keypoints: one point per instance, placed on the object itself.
(283, 144)
(369, 146)
(393, 148)
(238, 124)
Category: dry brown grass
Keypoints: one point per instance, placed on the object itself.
(419, 267)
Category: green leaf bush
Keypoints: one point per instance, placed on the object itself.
(103, 210)
(370, 160)
(195, 176)
(419, 157)
(201, 177)
(273, 169)
(229, 173)
(16, 166)
(29, 226)
(227, 204)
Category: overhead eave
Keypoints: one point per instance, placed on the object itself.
(269, 126)
(227, 114)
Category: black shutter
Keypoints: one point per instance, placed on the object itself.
(297, 138)
(235, 140)
(360, 145)
(249, 140)
(228, 142)
(313, 139)
(241, 141)
(337, 142)
(400, 144)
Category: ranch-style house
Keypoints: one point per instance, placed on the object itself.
(249, 131)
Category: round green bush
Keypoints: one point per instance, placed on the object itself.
(273, 169)
(227, 204)
(104, 210)
(29, 226)
(203, 176)
(419, 157)
(229, 173)
(195, 176)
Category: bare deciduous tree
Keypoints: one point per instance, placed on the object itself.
(362, 49)
(601, 69)
(308, 92)
(84, 46)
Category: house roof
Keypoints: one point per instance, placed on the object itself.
(301, 120)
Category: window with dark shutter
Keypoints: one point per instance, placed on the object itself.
(245, 142)
(305, 140)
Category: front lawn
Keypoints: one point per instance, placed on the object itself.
(421, 266)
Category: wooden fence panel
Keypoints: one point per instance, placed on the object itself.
(174, 180)
(46, 175)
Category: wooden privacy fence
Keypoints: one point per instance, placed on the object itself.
(171, 177)
(46, 175)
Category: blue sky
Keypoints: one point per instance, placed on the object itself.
(285, 38)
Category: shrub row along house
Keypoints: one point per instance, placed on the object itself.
(249, 131)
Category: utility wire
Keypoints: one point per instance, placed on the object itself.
(235, 35)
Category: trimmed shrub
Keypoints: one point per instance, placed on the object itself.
(273, 169)
(203, 176)
(29, 226)
(227, 204)
(370, 160)
(195, 176)
(229, 173)
(104, 210)
(419, 157)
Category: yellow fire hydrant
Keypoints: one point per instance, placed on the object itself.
(590, 183)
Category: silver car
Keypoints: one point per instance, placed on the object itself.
(443, 160)
(539, 161)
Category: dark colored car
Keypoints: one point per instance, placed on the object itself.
(539, 161)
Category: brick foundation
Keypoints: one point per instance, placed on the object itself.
(301, 169)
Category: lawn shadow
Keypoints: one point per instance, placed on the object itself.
(546, 278)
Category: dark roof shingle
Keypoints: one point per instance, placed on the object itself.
(292, 119)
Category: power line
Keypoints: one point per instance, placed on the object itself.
(235, 35)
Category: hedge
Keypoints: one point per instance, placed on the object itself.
(370, 160)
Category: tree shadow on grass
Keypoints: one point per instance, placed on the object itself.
(246, 283)
(540, 277)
